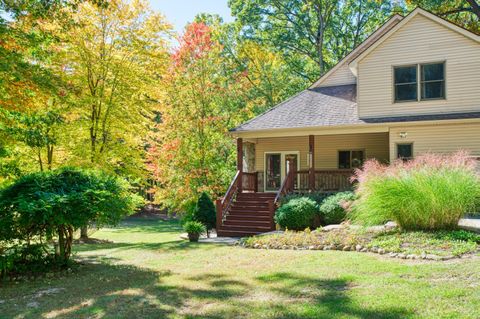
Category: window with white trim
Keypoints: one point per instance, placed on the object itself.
(419, 82)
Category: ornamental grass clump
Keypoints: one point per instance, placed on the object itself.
(430, 192)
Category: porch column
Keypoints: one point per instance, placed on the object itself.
(240, 162)
(311, 170)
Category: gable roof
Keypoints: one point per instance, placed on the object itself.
(336, 105)
(418, 11)
(377, 34)
(323, 106)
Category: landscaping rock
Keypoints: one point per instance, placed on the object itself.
(381, 251)
(432, 257)
(332, 227)
(346, 248)
(393, 255)
(311, 247)
(375, 229)
(402, 256)
(390, 225)
(358, 247)
(364, 250)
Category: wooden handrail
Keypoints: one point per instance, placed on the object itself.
(286, 186)
(230, 190)
(224, 204)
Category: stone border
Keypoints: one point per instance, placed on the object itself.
(364, 249)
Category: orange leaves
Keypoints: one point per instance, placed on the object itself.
(195, 43)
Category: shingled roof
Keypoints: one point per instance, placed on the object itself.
(323, 106)
(329, 106)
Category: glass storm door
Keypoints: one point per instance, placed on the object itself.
(277, 166)
(273, 172)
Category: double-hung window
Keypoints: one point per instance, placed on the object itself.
(419, 82)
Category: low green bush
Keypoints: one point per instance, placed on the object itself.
(431, 192)
(332, 209)
(297, 214)
(316, 197)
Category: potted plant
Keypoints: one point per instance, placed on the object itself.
(194, 230)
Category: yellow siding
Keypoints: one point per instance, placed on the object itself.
(438, 138)
(341, 76)
(326, 148)
(375, 145)
(421, 40)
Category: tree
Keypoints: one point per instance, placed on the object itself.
(465, 13)
(304, 31)
(204, 97)
(38, 131)
(44, 205)
(114, 54)
(205, 212)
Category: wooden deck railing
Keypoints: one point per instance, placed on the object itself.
(250, 182)
(333, 180)
(223, 205)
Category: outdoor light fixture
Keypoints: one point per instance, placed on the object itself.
(403, 134)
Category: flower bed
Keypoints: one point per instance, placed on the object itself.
(380, 239)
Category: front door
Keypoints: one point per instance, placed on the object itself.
(277, 166)
(273, 171)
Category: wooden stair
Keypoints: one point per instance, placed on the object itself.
(248, 215)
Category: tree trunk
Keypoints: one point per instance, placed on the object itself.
(84, 232)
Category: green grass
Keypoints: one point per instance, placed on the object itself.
(148, 272)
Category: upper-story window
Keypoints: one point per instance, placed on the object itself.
(406, 83)
(419, 82)
(433, 81)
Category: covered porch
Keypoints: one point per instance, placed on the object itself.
(269, 168)
(311, 163)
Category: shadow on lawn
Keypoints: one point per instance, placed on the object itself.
(327, 298)
(117, 291)
(173, 245)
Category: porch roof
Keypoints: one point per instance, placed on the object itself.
(322, 106)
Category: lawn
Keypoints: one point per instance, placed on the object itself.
(148, 272)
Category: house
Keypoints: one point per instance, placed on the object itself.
(412, 87)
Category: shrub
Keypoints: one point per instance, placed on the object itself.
(297, 214)
(205, 212)
(190, 211)
(51, 205)
(194, 227)
(316, 197)
(332, 209)
(194, 230)
(430, 192)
